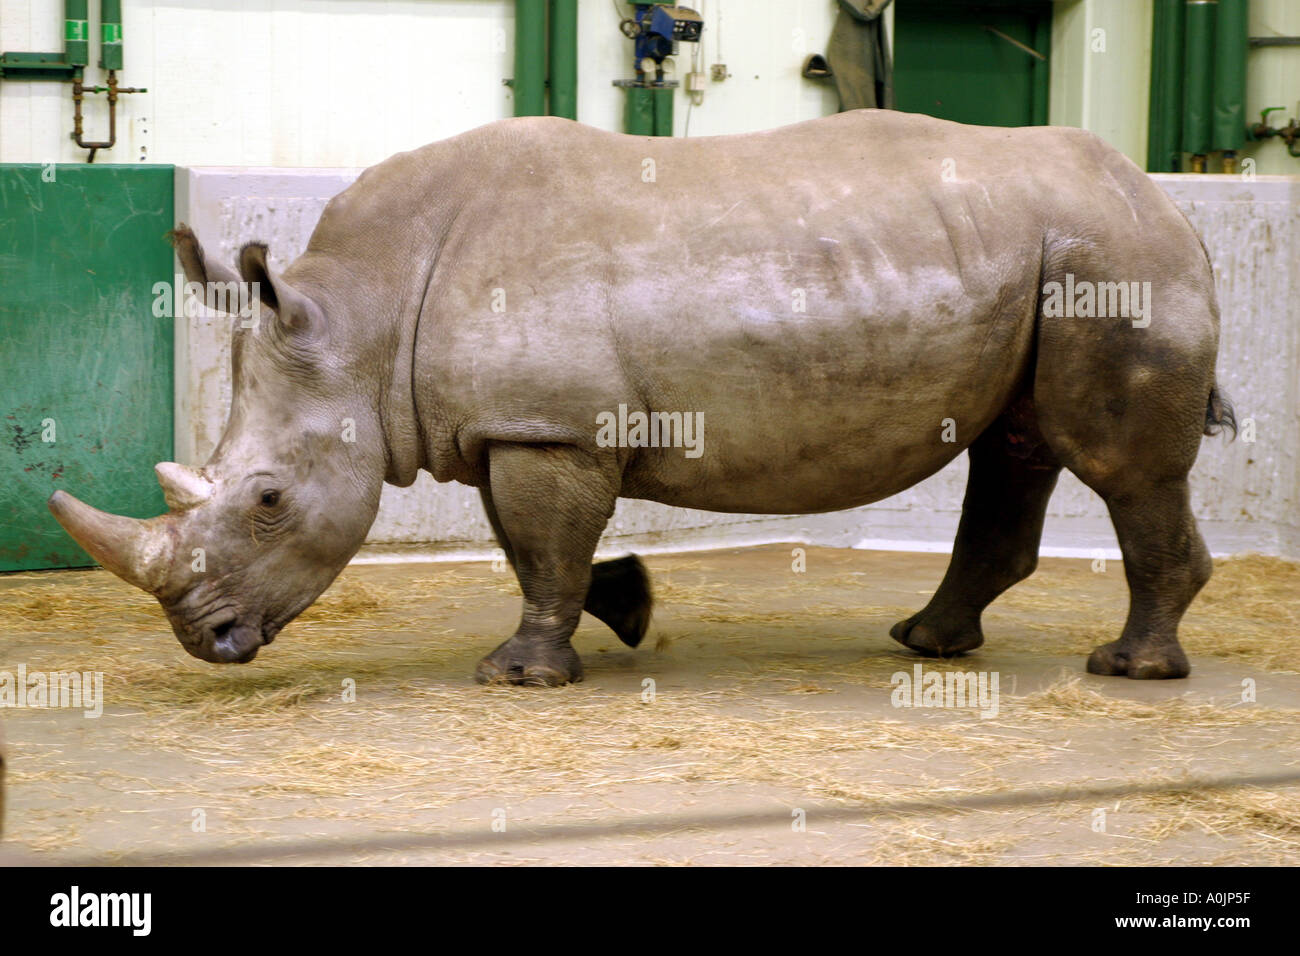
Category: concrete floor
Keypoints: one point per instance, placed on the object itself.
(771, 735)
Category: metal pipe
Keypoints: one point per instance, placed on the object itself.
(1289, 134)
(71, 65)
(564, 58)
(78, 94)
(110, 59)
(110, 34)
(530, 58)
(663, 110)
(1165, 123)
(1198, 87)
(76, 32)
(639, 114)
(1231, 43)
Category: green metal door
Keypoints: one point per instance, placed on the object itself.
(956, 60)
(85, 365)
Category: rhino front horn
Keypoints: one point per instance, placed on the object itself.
(138, 552)
(183, 488)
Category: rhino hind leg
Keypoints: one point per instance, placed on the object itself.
(1012, 474)
(548, 505)
(1125, 412)
(1166, 564)
(619, 595)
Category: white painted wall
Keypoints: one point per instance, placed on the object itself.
(269, 82)
(350, 82)
(1101, 70)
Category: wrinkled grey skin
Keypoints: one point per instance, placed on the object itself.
(920, 248)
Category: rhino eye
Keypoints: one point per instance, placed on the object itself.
(270, 498)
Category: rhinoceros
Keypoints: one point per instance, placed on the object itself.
(847, 304)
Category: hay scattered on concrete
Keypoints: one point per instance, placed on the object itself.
(578, 737)
(419, 736)
(1070, 699)
(1243, 813)
(1249, 612)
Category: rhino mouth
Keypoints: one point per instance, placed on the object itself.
(224, 637)
(234, 643)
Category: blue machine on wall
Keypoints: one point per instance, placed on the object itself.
(656, 29)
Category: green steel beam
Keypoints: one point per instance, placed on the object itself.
(36, 66)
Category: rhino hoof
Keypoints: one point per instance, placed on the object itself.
(506, 665)
(620, 596)
(933, 640)
(1167, 662)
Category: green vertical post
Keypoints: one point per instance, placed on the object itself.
(663, 98)
(639, 112)
(564, 58)
(110, 34)
(1165, 119)
(530, 57)
(76, 32)
(1198, 73)
(1231, 41)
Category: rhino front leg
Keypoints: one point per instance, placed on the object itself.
(1012, 474)
(619, 594)
(549, 505)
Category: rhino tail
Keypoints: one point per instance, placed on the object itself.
(1219, 414)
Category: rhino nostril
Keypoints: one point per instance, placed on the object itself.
(221, 630)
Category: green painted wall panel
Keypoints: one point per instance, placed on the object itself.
(81, 348)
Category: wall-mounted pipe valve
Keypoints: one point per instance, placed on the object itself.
(79, 92)
(1289, 134)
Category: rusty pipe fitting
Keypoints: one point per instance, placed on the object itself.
(79, 92)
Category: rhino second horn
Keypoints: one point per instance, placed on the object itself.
(183, 488)
(138, 552)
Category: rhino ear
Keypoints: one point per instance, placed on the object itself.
(208, 273)
(295, 311)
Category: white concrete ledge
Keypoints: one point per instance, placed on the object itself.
(1246, 495)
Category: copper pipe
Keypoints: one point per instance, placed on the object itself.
(79, 92)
